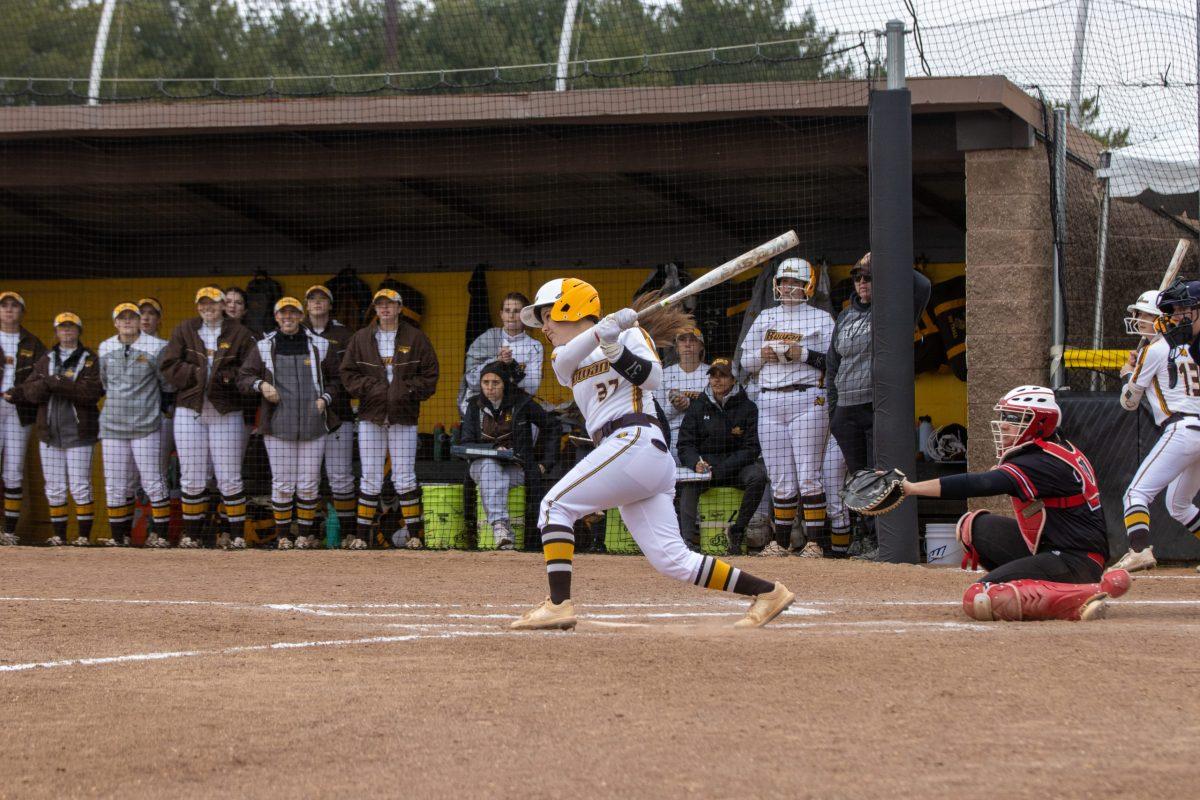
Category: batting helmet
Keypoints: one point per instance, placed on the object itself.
(1142, 314)
(797, 269)
(1025, 414)
(569, 299)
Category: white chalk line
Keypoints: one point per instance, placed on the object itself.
(225, 651)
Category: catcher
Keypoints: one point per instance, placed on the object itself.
(1048, 561)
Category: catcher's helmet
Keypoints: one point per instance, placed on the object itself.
(569, 299)
(1142, 314)
(797, 269)
(1179, 296)
(1025, 414)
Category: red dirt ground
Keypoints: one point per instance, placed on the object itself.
(875, 685)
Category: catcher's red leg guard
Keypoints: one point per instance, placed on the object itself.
(1029, 599)
(962, 531)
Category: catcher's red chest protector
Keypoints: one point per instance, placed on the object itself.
(1031, 514)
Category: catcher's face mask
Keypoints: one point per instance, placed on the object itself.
(1010, 428)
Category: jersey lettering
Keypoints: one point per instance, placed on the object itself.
(783, 336)
(590, 371)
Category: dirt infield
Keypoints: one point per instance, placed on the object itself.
(150, 674)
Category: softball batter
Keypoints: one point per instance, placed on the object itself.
(1168, 367)
(131, 425)
(391, 368)
(339, 443)
(295, 371)
(66, 388)
(201, 360)
(19, 351)
(785, 348)
(612, 370)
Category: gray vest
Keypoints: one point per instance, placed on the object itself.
(296, 417)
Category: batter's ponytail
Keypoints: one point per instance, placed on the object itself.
(663, 324)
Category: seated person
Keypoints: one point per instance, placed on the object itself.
(719, 436)
(509, 344)
(684, 381)
(504, 416)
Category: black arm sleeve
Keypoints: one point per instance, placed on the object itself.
(631, 367)
(978, 484)
(815, 359)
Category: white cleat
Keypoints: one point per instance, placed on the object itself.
(766, 607)
(154, 540)
(302, 543)
(774, 549)
(285, 543)
(547, 616)
(238, 544)
(54, 541)
(811, 550)
(188, 543)
(357, 544)
(1135, 561)
(82, 541)
(8, 539)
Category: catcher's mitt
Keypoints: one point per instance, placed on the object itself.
(873, 492)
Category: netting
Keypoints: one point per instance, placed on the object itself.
(425, 147)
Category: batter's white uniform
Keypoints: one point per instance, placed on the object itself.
(691, 384)
(630, 469)
(1174, 461)
(793, 420)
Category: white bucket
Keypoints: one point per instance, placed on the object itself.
(940, 545)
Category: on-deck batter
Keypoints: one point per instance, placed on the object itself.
(785, 348)
(612, 369)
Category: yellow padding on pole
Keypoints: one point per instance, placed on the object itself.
(1095, 359)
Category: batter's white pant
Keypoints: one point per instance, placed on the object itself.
(494, 479)
(13, 438)
(632, 474)
(833, 477)
(214, 439)
(295, 468)
(64, 469)
(339, 460)
(128, 462)
(793, 428)
(1175, 461)
(375, 444)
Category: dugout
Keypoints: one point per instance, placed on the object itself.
(103, 203)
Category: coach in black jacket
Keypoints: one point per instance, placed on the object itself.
(719, 435)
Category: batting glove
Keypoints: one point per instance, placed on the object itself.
(608, 329)
(627, 318)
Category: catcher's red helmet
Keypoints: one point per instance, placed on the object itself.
(1024, 414)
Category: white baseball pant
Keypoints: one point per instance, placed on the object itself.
(295, 468)
(339, 460)
(627, 471)
(792, 430)
(67, 469)
(1174, 464)
(375, 444)
(833, 477)
(14, 437)
(130, 462)
(494, 479)
(216, 439)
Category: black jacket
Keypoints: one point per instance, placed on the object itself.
(525, 412)
(726, 437)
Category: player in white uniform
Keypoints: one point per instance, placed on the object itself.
(131, 424)
(1166, 370)
(612, 370)
(19, 351)
(508, 344)
(785, 348)
(683, 382)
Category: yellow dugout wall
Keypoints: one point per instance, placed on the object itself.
(940, 395)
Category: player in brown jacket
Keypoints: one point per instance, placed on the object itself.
(201, 360)
(391, 368)
(19, 351)
(66, 387)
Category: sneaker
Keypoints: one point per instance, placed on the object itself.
(285, 543)
(1137, 561)
(8, 539)
(502, 534)
(54, 541)
(238, 544)
(773, 549)
(766, 607)
(811, 550)
(356, 544)
(186, 543)
(547, 616)
(414, 543)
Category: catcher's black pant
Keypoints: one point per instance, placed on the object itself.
(1003, 553)
(854, 429)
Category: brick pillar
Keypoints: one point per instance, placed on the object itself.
(1009, 262)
